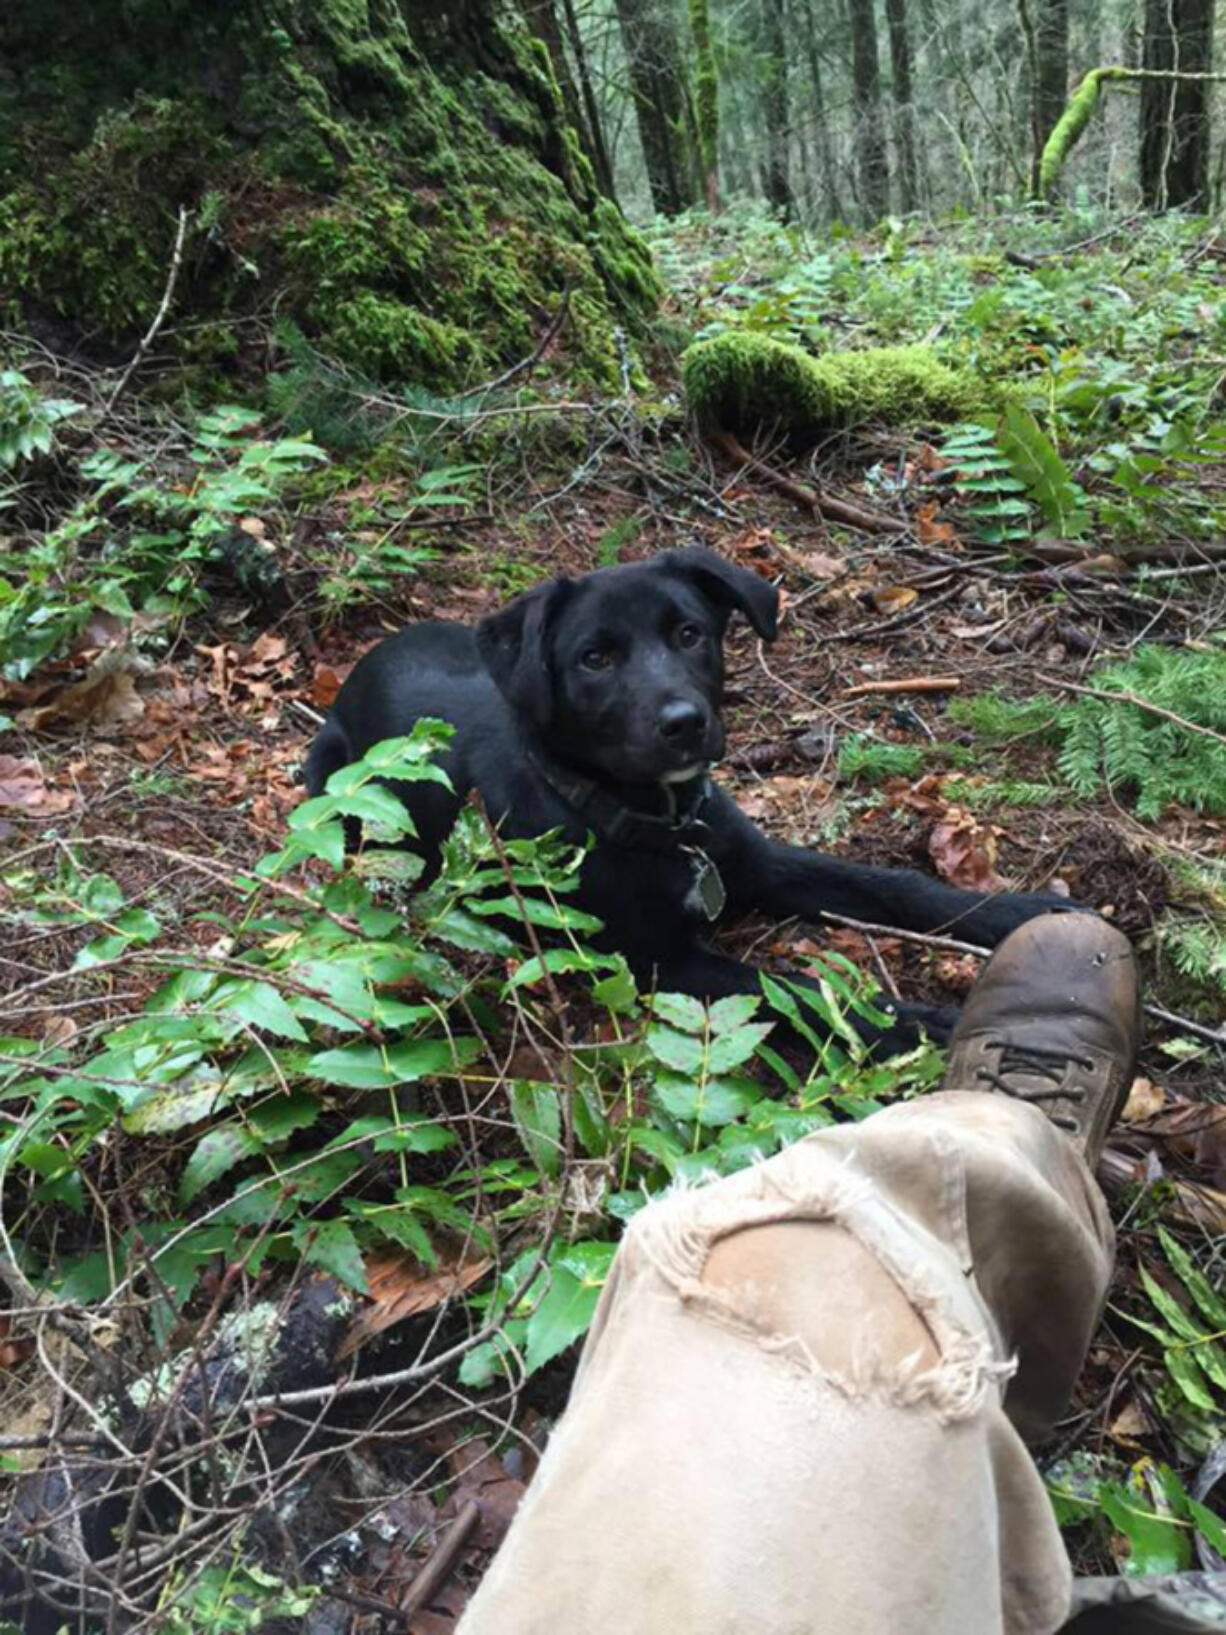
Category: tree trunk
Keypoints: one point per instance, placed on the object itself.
(904, 115)
(599, 149)
(422, 208)
(874, 165)
(657, 84)
(821, 118)
(1050, 90)
(775, 107)
(1175, 134)
(706, 87)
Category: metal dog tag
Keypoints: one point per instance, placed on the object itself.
(706, 895)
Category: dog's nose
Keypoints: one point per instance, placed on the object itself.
(679, 720)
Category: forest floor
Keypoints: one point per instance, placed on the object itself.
(935, 699)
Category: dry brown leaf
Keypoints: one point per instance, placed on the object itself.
(325, 684)
(964, 850)
(1144, 1100)
(1129, 1424)
(892, 598)
(107, 697)
(399, 1289)
(928, 530)
(753, 539)
(23, 789)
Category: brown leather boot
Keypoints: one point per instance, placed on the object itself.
(1055, 1019)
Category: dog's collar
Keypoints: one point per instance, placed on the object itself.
(680, 829)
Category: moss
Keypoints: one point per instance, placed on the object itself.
(406, 192)
(1069, 127)
(742, 382)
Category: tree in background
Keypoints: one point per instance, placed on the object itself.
(657, 84)
(599, 150)
(904, 114)
(1049, 75)
(869, 133)
(706, 97)
(816, 103)
(777, 185)
(1175, 121)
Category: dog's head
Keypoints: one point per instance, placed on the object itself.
(622, 671)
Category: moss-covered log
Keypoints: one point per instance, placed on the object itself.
(743, 382)
(398, 180)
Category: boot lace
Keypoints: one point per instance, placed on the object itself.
(1052, 1065)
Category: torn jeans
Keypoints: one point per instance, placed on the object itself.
(801, 1406)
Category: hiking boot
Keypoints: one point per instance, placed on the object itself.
(1055, 1019)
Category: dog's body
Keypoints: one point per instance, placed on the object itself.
(593, 706)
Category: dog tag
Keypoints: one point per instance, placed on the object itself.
(706, 895)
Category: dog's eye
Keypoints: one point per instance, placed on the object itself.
(596, 658)
(689, 635)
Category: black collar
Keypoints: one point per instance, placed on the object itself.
(680, 829)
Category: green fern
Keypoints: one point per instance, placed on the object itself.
(995, 719)
(1006, 792)
(1197, 949)
(998, 511)
(1132, 750)
(868, 758)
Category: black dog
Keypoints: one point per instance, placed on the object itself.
(592, 706)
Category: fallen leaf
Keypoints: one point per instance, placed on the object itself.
(958, 972)
(325, 684)
(1144, 1100)
(1129, 1424)
(23, 789)
(964, 850)
(928, 531)
(753, 539)
(892, 598)
(107, 697)
(399, 1288)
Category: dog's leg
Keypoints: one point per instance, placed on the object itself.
(788, 881)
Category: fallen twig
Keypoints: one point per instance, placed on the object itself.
(172, 277)
(439, 1566)
(533, 358)
(911, 684)
(851, 516)
(896, 623)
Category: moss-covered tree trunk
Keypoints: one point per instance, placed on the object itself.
(706, 96)
(1175, 134)
(874, 164)
(600, 151)
(399, 182)
(657, 84)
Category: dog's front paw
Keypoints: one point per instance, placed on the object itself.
(994, 918)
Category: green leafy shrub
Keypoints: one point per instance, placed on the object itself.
(28, 419)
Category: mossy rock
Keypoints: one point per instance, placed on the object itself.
(401, 188)
(744, 382)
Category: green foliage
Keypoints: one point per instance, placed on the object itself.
(997, 511)
(231, 1599)
(143, 533)
(1154, 761)
(1036, 463)
(28, 419)
(742, 381)
(874, 761)
(1190, 1328)
(1151, 1509)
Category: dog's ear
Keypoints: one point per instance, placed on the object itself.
(513, 644)
(728, 586)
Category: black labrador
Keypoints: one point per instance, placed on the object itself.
(593, 706)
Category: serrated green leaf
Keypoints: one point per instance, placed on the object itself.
(681, 1011)
(1185, 1370)
(260, 1004)
(713, 1102)
(734, 1048)
(1035, 461)
(332, 1245)
(536, 1109)
(1210, 1526)
(283, 1115)
(734, 1011)
(563, 1315)
(215, 1154)
(375, 1067)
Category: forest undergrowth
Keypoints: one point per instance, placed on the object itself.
(310, 1182)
